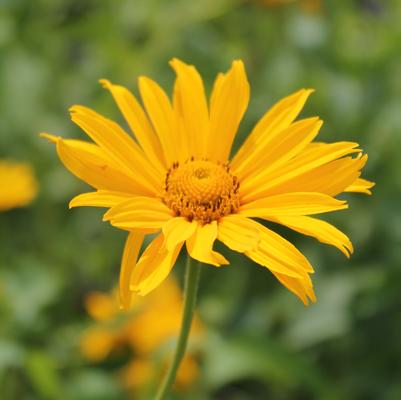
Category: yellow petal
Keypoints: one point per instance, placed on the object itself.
(229, 101)
(161, 113)
(282, 148)
(130, 256)
(138, 122)
(48, 136)
(301, 287)
(308, 160)
(360, 186)
(119, 146)
(200, 245)
(182, 136)
(315, 145)
(332, 178)
(278, 118)
(238, 233)
(321, 230)
(153, 267)
(139, 213)
(278, 254)
(89, 163)
(177, 230)
(101, 198)
(348, 171)
(297, 203)
(191, 105)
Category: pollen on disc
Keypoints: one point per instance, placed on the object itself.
(201, 190)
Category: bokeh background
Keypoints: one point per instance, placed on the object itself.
(258, 342)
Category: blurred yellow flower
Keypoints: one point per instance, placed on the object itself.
(147, 329)
(177, 179)
(97, 343)
(140, 371)
(18, 186)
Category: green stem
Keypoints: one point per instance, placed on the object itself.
(190, 292)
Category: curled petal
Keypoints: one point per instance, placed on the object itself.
(301, 287)
(177, 230)
(200, 245)
(321, 230)
(278, 254)
(360, 186)
(130, 256)
(153, 267)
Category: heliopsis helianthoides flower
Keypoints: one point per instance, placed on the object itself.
(18, 186)
(147, 330)
(175, 177)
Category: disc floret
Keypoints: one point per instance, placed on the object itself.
(202, 190)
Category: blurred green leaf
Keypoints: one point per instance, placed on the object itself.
(92, 385)
(42, 372)
(243, 356)
(11, 355)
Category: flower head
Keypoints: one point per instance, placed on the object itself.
(175, 177)
(18, 186)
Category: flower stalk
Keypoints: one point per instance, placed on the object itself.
(192, 274)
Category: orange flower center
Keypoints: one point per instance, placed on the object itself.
(201, 190)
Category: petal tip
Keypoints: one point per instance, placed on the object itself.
(106, 216)
(74, 109)
(105, 83)
(51, 138)
(238, 66)
(142, 79)
(238, 61)
(175, 61)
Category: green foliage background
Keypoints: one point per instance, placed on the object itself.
(262, 343)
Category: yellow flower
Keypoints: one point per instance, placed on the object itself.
(18, 186)
(176, 178)
(97, 343)
(140, 371)
(100, 306)
(157, 319)
(146, 330)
